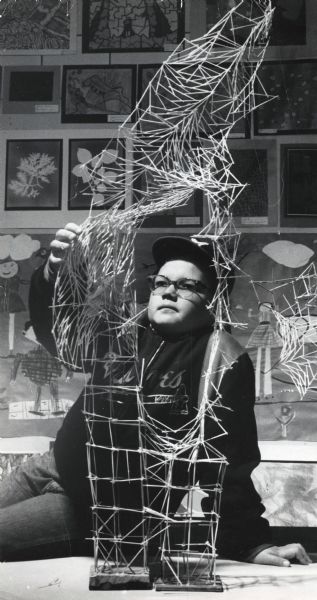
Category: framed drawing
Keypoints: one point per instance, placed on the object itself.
(299, 185)
(189, 215)
(46, 27)
(33, 174)
(254, 164)
(109, 26)
(286, 481)
(288, 24)
(92, 163)
(28, 90)
(293, 107)
(146, 73)
(287, 489)
(97, 94)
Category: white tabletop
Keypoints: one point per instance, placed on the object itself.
(68, 579)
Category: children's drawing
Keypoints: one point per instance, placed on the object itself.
(13, 250)
(41, 368)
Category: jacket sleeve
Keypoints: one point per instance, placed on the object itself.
(242, 529)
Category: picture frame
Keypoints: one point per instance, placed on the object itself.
(98, 94)
(146, 72)
(85, 184)
(31, 90)
(33, 174)
(32, 33)
(288, 22)
(292, 86)
(254, 164)
(284, 478)
(190, 216)
(133, 27)
(298, 185)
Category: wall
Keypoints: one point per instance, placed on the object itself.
(260, 214)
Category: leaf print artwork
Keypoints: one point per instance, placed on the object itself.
(92, 170)
(93, 166)
(32, 173)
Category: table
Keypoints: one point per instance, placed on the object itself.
(67, 579)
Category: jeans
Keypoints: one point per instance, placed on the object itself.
(37, 519)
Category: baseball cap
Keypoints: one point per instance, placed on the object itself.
(173, 247)
(196, 249)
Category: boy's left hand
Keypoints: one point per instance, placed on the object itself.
(281, 556)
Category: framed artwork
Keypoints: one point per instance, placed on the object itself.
(92, 162)
(97, 94)
(292, 86)
(190, 215)
(28, 90)
(146, 74)
(109, 26)
(33, 174)
(299, 185)
(288, 23)
(48, 27)
(288, 489)
(254, 164)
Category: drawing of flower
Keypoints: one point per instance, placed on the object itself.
(94, 170)
(32, 172)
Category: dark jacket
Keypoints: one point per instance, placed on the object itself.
(174, 386)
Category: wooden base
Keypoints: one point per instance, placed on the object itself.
(205, 586)
(107, 578)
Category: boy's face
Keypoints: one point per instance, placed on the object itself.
(174, 315)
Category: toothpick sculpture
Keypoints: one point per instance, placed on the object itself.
(178, 132)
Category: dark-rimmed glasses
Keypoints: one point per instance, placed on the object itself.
(184, 287)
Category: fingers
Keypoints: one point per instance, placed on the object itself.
(281, 556)
(62, 242)
(271, 556)
(295, 551)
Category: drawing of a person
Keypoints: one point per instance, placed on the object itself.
(12, 250)
(264, 338)
(10, 300)
(41, 368)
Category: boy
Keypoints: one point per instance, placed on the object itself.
(173, 346)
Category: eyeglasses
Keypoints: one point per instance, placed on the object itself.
(185, 288)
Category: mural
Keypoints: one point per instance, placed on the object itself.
(36, 390)
(272, 299)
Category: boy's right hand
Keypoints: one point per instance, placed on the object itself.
(60, 247)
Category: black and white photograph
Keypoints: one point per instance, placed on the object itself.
(33, 180)
(158, 294)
